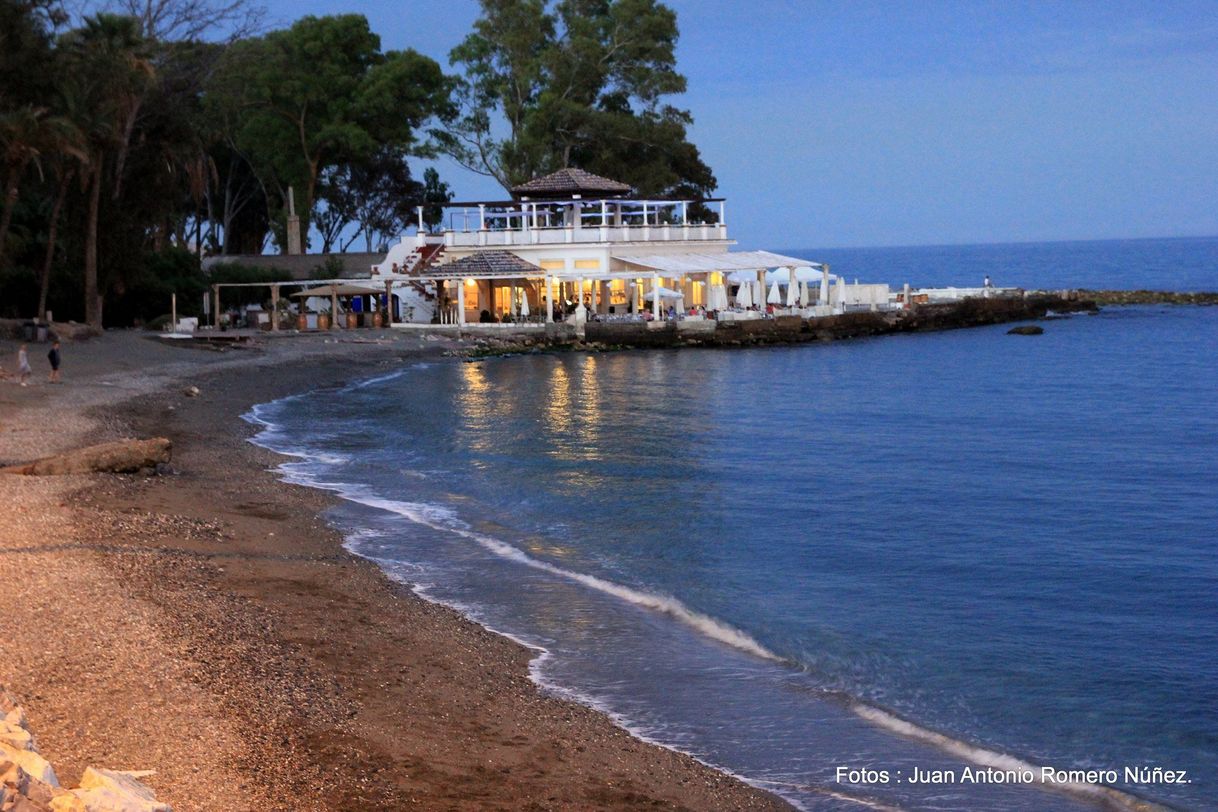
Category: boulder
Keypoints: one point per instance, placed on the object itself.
(13, 801)
(114, 791)
(65, 801)
(1026, 330)
(30, 762)
(10, 712)
(122, 457)
(16, 736)
(23, 785)
(191, 391)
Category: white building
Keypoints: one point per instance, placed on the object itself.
(573, 245)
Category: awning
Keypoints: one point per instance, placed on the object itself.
(725, 261)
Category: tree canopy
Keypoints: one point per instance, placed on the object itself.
(576, 83)
(321, 97)
(136, 135)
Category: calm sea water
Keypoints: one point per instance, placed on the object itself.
(1185, 264)
(909, 552)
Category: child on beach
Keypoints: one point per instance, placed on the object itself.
(23, 365)
(53, 357)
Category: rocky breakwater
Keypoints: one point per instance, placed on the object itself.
(793, 329)
(1135, 297)
(28, 782)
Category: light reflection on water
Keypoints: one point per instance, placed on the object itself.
(1007, 540)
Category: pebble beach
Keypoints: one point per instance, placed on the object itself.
(207, 624)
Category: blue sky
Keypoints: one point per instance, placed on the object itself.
(903, 123)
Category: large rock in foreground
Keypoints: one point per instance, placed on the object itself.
(112, 791)
(28, 782)
(122, 457)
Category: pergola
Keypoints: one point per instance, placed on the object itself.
(320, 287)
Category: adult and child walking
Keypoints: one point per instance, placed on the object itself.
(24, 371)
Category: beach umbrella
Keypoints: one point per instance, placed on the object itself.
(744, 296)
(758, 292)
(824, 288)
(741, 277)
(666, 294)
(841, 291)
(792, 294)
(524, 305)
(775, 296)
(803, 273)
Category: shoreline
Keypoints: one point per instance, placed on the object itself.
(970, 752)
(307, 726)
(336, 687)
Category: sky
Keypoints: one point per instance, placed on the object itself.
(833, 124)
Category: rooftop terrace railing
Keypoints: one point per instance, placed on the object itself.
(558, 235)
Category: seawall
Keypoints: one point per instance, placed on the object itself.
(793, 329)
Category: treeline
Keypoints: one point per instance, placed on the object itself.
(144, 134)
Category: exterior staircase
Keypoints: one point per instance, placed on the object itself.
(417, 296)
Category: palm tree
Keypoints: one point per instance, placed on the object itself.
(20, 145)
(28, 135)
(69, 157)
(108, 57)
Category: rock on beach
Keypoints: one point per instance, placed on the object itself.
(122, 457)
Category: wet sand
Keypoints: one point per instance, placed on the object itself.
(208, 624)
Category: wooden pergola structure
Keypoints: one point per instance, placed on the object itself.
(277, 287)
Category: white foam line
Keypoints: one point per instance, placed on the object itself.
(381, 378)
(1002, 761)
(541, 655)
(443, 519)
(439, 518)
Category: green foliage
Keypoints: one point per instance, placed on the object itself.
(332, 268)
(435, 193)
(149, 286)
(235, 272)
(320, 96)
(229, 272)
(26, 38)
(121, 143)
(377, 193)
(578, 83)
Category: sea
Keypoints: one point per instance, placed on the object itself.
(944, 571)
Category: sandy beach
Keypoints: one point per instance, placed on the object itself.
(207, 623)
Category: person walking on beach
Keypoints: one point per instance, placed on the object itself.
(23, 365)
(53, 357)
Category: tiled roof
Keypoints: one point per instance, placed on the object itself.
(571, 181)
(490, 263)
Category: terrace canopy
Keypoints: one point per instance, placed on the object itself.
(676, 264)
